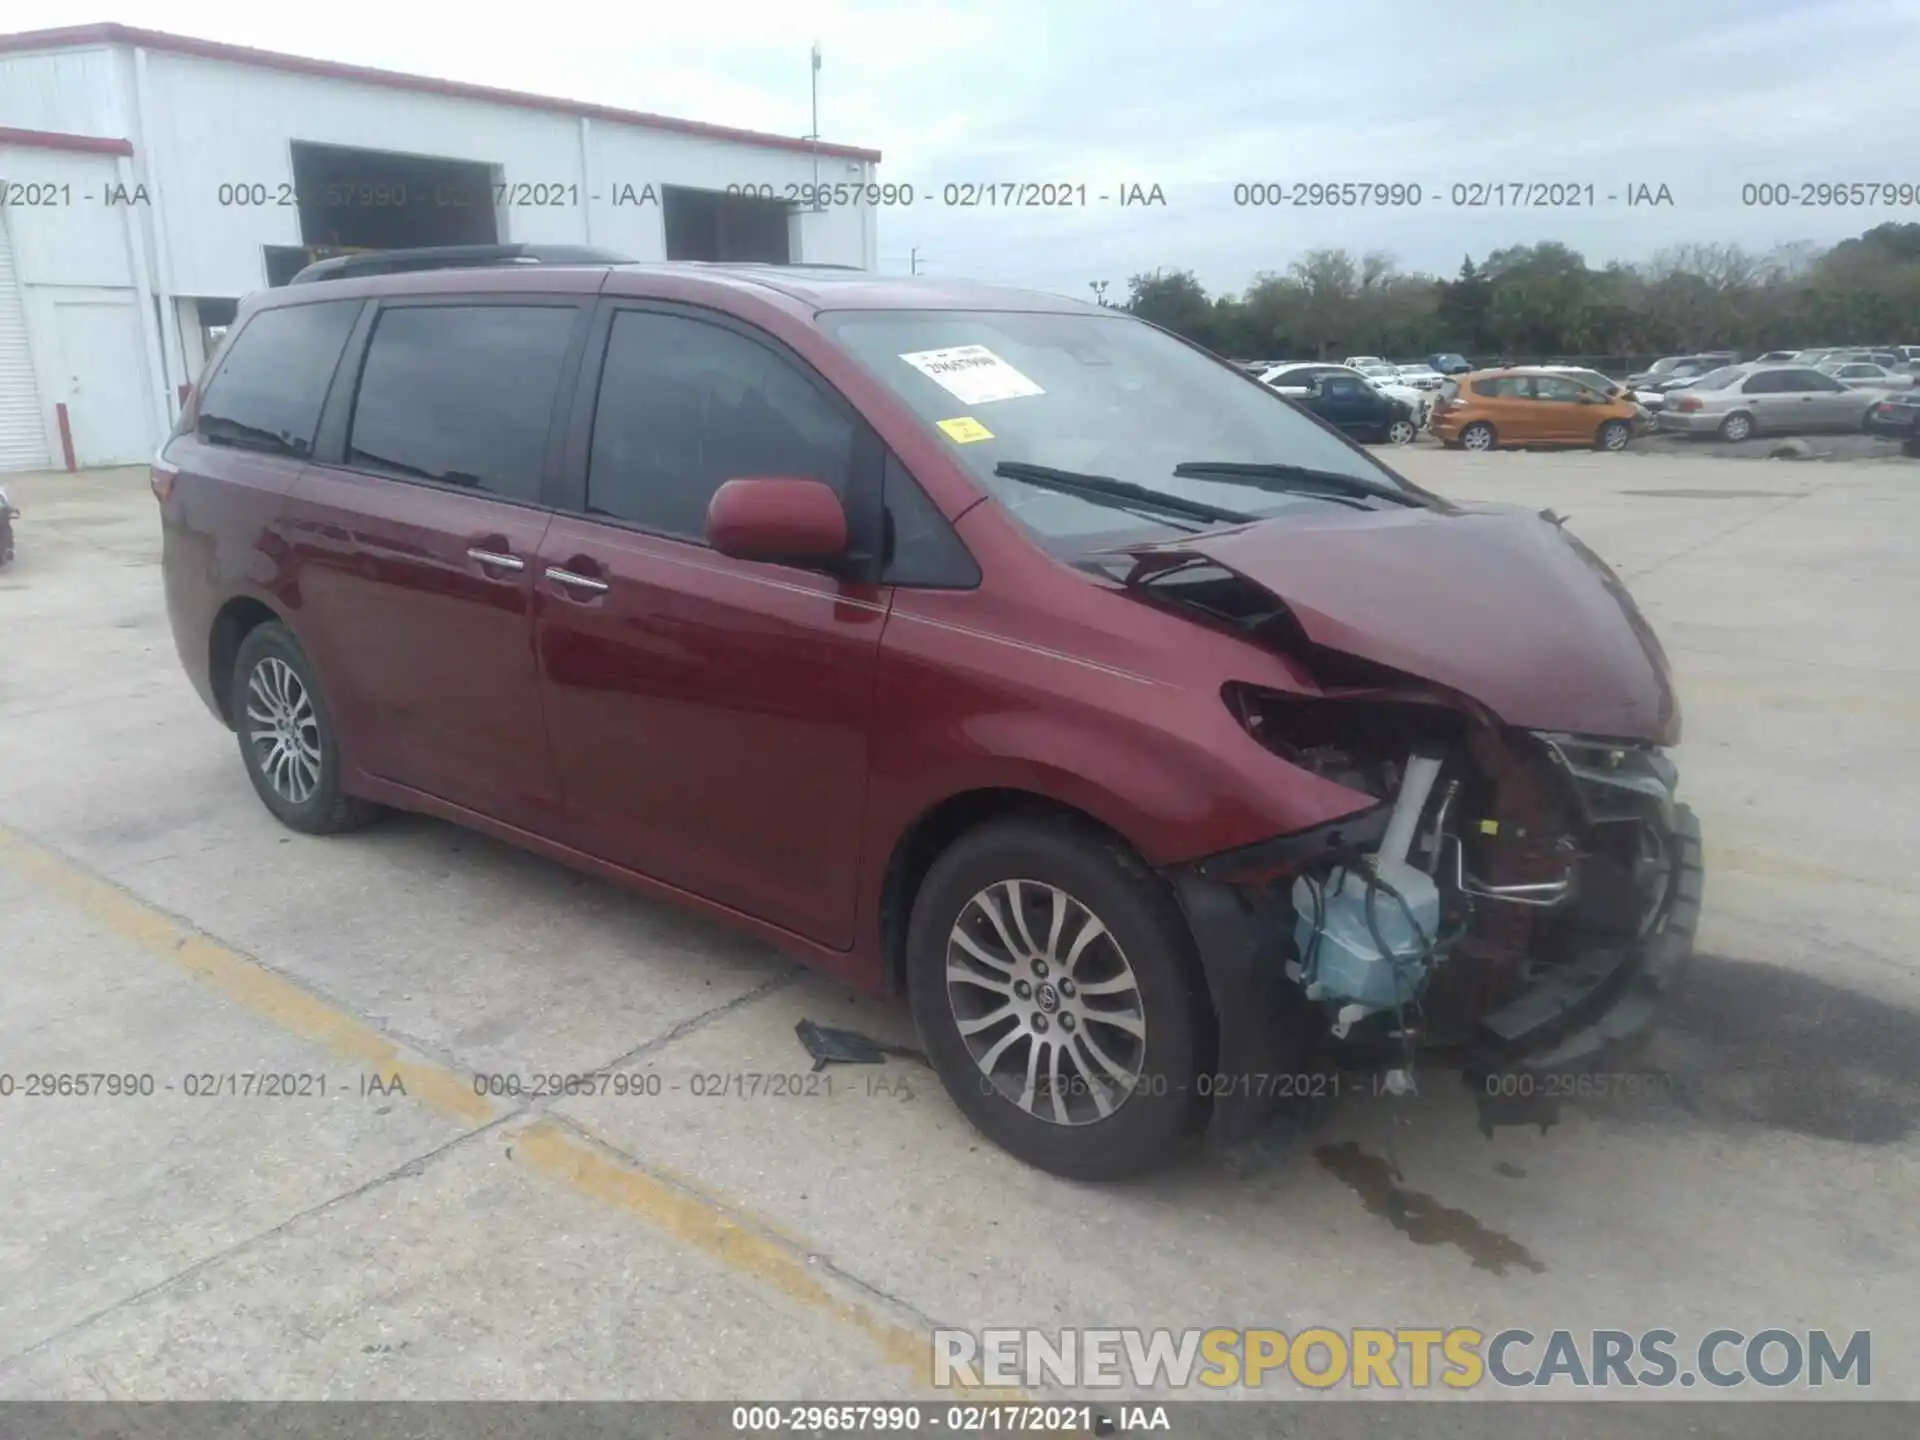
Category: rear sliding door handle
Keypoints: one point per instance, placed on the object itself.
(574, 581)
(495, 560)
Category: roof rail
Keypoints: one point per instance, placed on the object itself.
(454, 257)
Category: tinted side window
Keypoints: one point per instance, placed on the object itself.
(1767, 382)
(921, 546)
(686, 406)
(268, 392)
(1557, 387)
(461, 394)
(1505, 387)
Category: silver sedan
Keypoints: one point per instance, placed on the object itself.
(1736, 402)
(1864, 375)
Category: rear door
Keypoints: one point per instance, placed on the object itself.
(415, 537)
(1821, 402)
(1506, 403)
(1765, 395)
(709, 715)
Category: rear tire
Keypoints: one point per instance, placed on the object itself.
(1041, 1073)
(1736, 427)
(1910, 448)
(1479, 436)
(1614, 436)
(286, 735)
(1401, 432)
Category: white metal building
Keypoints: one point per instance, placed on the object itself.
(149, 181)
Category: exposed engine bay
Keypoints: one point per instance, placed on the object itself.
(1500, 855)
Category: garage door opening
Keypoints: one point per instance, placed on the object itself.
(352, 199)
(712, 225)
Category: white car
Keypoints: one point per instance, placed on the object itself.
(1296, 378)
(1419, 377)
(1354, 362)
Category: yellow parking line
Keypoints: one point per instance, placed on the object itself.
(251, 984)
(727, 1234)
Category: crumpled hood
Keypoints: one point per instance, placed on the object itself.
(1494, 602)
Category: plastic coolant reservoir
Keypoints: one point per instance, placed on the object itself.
(1347, 963)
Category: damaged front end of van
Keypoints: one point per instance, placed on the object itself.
(1516, 886)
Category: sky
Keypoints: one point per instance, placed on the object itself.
(1702, 97)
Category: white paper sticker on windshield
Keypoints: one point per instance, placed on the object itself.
(973, 374)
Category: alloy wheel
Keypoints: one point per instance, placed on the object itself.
(285, 732)
(1046, 1001)
(1478, 437)
(1401, 432)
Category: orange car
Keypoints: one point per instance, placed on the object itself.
(1491, 408)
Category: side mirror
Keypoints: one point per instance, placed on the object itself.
(779, 520)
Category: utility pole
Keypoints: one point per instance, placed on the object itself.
(913, 261)
(815, 136)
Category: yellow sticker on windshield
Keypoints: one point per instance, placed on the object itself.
(965, 430)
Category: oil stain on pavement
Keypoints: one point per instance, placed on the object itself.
(1420, 1217)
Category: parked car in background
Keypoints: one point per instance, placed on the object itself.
(7, 516)
(1776, 357)
(1897, 417)
(1670, 370)
(1651, 388)
(1356, 408)
(1488, 409)
(1419, 375)
(1296, 379)
(1737, 402)
(920, 629)
(1354, 362)
(1867, 375)
(1449, 362)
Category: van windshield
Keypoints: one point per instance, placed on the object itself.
(1101, 395)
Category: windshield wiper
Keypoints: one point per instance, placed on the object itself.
(1297, 478)
(1120, 494)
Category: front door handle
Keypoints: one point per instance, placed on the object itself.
(493, 559)
(575, 581)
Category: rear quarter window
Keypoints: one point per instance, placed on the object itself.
(267, 393)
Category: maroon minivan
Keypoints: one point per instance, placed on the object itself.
(1168, 751)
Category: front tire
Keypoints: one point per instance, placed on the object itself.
(1615, 435)
(1051, 979)
(1478, 436)
(286, 735)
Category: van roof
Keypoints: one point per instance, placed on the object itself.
(801, 288)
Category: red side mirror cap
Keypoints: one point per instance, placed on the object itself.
(778, 519)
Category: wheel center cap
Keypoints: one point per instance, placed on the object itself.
(1048, 997)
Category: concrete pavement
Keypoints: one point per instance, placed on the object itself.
(677, 1243)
